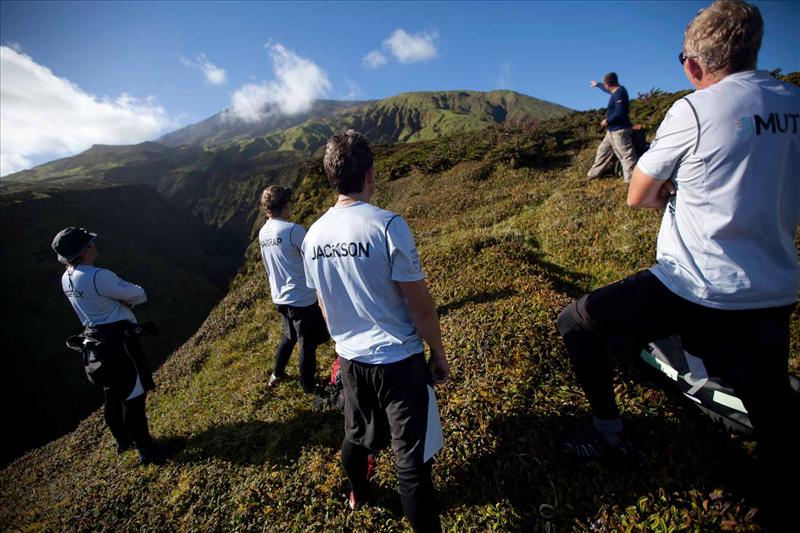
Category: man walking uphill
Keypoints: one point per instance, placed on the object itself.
(618, 139)
(726, 165)
(363, 263)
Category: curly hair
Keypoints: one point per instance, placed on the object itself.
(726, 36)
(274, 198)
(347, 159)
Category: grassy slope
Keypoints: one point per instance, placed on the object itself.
(508, 234)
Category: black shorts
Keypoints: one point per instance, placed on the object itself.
(304, 322)
(390, 402)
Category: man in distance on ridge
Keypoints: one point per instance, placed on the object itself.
(618, 139)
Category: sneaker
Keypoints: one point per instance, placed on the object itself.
(274, 381)
(354, 504)
(371, 464)
(590, 444)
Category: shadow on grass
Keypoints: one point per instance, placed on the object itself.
(479, 298)
(550, 488)
(258, 443)
(573, 284)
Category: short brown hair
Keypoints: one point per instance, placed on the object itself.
(347, 160)
(726, 36)
(274, 198)
(611, 79)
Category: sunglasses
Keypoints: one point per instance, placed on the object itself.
(682, 57)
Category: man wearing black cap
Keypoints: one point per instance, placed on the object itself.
(103, 303)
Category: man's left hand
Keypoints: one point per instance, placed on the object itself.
(604, 123)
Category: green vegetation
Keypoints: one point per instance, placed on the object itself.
(411, 117)
(508, 233)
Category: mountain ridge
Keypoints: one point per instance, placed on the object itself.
(407, 117)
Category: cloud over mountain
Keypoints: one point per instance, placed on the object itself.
(43, 116)
(298, 82)
(214, 74)
(412, 48)
(374, 59)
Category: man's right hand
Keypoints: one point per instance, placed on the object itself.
(593, 83)
(440, 370)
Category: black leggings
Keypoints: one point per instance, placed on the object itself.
(749, 349)
(308, 361)
(127, 420)
(417, 493)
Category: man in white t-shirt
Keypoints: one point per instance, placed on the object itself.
(725, 167)
(104, 303)
(364, 265)
(280, 243)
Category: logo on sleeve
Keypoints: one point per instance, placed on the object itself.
(415, 259)
(744, 127)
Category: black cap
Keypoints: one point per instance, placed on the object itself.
(71, 242)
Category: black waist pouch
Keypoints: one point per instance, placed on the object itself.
(106, 360)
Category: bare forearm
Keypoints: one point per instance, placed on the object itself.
(427, 322)
(423, 313)
(647, 192)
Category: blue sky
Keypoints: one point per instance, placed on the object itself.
(152, 51)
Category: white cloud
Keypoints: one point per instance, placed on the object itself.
(374, 59)
(44, 117)
(298, 82)
(408, 48)
(503, 80)
(214, 74)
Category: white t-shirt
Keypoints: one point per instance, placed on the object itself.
(353, 256)
(280, 242)
(98, 296)
(733, 151)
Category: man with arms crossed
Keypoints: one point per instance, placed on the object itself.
(104, 303)
(726, 166)
(280, 242)
(363, 263)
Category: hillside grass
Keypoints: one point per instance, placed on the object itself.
(508, 233)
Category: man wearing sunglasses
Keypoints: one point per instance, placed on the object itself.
(725, 167)
(618, 139)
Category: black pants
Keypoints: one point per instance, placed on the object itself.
(127, 420)
(749, 349)
(386, 403)
(307, 325)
